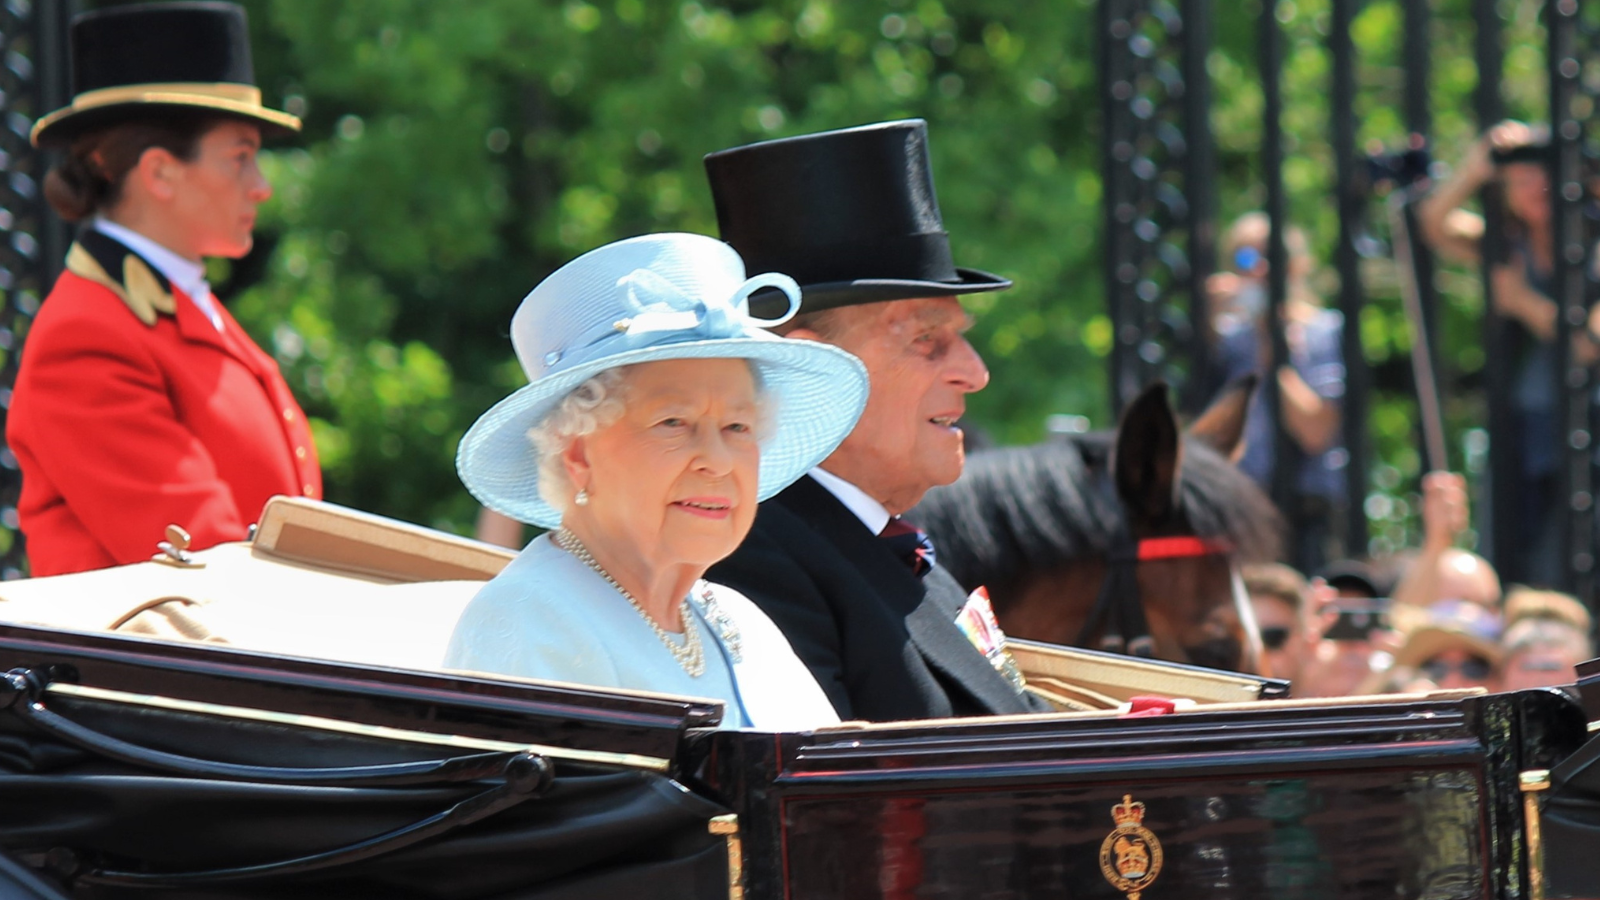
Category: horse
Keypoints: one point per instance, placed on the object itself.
(1127, 541)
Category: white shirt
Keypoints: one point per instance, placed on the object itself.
(185, 274)
(549, 616)
(871, 513)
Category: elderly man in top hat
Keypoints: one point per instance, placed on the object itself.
(851, 215)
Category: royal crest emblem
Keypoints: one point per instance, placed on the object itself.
(1130, 856)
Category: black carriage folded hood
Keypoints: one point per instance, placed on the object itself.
(141, 769)
(18, 882)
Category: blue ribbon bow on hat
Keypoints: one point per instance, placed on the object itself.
(661, 313)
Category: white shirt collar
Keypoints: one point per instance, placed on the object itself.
(871, 513)
(184, 274)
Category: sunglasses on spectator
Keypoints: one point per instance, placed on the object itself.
(1473, 668)
(1274, 638)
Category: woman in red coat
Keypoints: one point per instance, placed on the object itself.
(140, 402)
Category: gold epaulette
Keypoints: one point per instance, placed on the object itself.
(139, 288)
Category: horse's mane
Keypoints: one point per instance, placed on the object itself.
(1020, 510)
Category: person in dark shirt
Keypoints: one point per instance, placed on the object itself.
(1513, 157)
(1310, 387)
(851, 215)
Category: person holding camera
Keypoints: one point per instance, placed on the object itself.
(1512, 158)
(1310, 385)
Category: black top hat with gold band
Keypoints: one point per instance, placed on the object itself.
(129, 61)
(849, 214)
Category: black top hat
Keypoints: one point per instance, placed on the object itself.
(128, 61)
(849, 214)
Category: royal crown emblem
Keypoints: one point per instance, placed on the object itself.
(1130, 856)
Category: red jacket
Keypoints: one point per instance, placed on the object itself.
(132, 412)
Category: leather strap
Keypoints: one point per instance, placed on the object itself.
(1118, 611)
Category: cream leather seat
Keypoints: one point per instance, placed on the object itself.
(318, 580)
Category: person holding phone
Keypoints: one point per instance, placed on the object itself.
(1310, 383)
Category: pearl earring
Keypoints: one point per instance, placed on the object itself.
(582, 498)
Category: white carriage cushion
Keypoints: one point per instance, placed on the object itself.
(320, 581)
(169, 618)
(255, 602)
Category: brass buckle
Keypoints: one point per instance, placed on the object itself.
(175, 550)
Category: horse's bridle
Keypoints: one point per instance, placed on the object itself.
(1118, 611)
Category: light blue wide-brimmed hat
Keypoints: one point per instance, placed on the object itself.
(660, 296)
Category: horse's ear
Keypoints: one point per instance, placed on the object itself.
(1221, 426)
(1147, 456)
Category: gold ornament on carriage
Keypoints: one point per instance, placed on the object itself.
(1130, 856)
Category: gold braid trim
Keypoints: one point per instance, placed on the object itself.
(139, 287)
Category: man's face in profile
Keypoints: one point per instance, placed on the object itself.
(921, 368)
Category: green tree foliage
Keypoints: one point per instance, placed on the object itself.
(455, 153)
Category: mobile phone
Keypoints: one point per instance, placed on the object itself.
(1357, 623)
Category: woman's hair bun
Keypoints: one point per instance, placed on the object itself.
(90, 177)
(73, 189)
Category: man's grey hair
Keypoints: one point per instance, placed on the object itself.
(596, 404)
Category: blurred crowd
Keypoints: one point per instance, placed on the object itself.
(1506, 168)
(1435, 618)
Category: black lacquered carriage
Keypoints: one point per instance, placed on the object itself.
(132, 767)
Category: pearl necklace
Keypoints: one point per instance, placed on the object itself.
(689, 653)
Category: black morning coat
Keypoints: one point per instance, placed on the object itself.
(882, 642)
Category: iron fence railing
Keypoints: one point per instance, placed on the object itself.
(1159, 207)
(1160, 201)
(33, 242)
(1573, 29)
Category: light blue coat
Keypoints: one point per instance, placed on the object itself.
(550, 617)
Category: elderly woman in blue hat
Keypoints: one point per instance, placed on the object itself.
(658, 415)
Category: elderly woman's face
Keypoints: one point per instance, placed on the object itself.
(676, 476)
